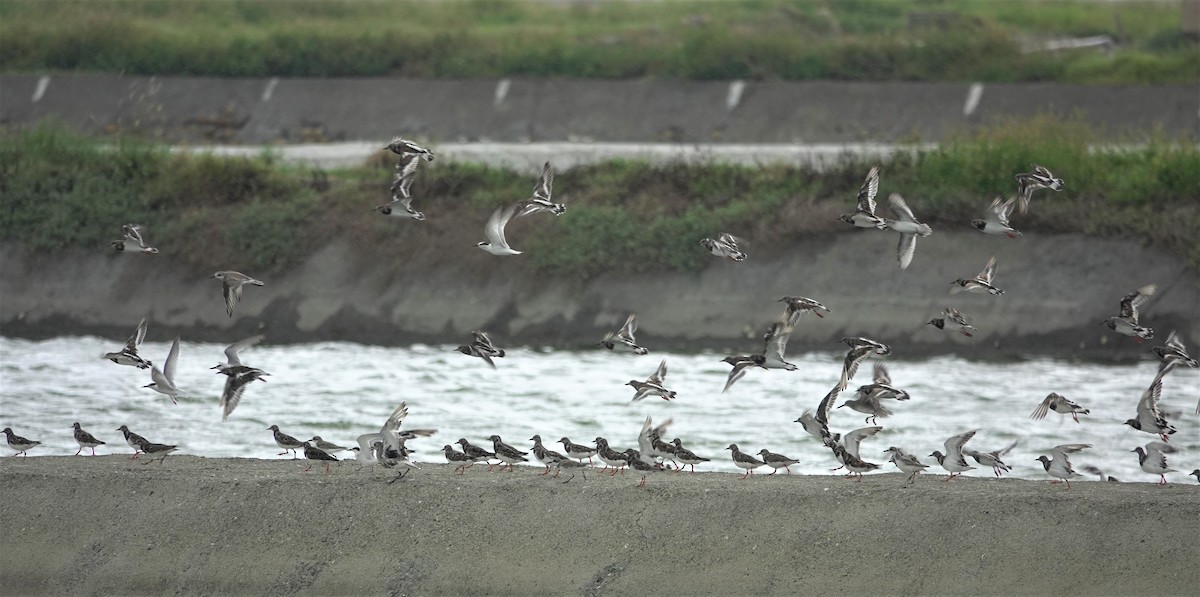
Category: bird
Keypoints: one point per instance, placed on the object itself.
(481, 346)
(993, 458)
(476, 453)
(953, 460)
(132, 241)
(980, 283)
(1059, 404)
(312, 452)
(232, 283)
(153, 449)
(817, 424)
(1173, 354)
(285, 441)
(85, 440)
(908, 227)
(1059, 466)
(330, 447)
(744, 460)
(540, 201)
(129, 354)
(1103, 477)
(1127, 322)
(238, 375)
(650, 442)
(864, 215)
(1195, 473)
(726, 245)
(401, 203)
(624, 338)
(134, 440)
(1029, 182)
(1153, 459)
(851, 440)
(686, 457)
(860, 348)
(639, 464)
(577, 451)
(777, 461)
(797, 306)
(611, 458)
(995, 219)
(907, 463)
(740, 364)
(404, 147)
(545, 456)
(1149, 418)
(163, 381)
(496, 244)
(951, 319)
(508, 454)
(868, 403)
(457, 458)
(18, 444)
(653, 386)
(882, 387)
(775, 345)
(387, 446)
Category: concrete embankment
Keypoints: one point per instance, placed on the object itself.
(1058, 288)
(259, 111)
(109, 525)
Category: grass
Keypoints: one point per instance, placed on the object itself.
(755, 39)
(63, 191)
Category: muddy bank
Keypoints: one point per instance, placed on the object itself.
(1058, 289)
(102, 525)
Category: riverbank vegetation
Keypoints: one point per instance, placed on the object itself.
(939, 40)
(64, 191)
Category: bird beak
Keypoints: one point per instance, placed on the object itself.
(147, 385)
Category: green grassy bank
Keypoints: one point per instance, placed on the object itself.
(944, 40)
(63, 191)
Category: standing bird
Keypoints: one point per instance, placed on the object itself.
(953, 460)
(481, 346)
(1059, 466)
(1127, 322)
(312, 452)
(951, 319)
(610, 457)
(1153, 459)
(129, 354)
(85, 440)
(777, 461)
(908, 227)
(637, 463)
(387, 446)
(496, 244)
(545, 455)
(864, 214)
(18, 444)
(232, 283)
(238, 375)
(401, 203)
(860, 349)
(993, 458)
(653, 386)
(153, 449)
(686, 457)
(540, 201)
(1057, 403)
(907, 463)
(624, 338)
(1173, 354)
(134, 440)
(995, 218)
(797, 306)
(1029, 182)
(1149, 418)
(980, 283)
(460, 459)
(132, 241)
(323, 445)
(476, 453)
(163, 381)
(744, 460)
(726, 246)
(286, 442)
(508, 454)
(404, 147)
(577, 451)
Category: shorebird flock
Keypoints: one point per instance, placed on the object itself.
(387, 447)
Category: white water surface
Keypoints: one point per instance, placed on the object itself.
(341, 390)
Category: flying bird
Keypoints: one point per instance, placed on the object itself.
(980, 283)
(864, 214)
(1127, 322)
(995, 218)
(726, 245)
(624, 338)
(1040, 178)
(132, 241)
(129, 354)
(540, 201)
(908, 227)
(232, 283)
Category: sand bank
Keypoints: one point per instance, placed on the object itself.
(110, 525)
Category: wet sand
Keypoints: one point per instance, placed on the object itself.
(111, 525)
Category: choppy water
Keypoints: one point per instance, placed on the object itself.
(340, 390)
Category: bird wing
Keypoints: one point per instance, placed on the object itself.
(775, 340)
(133, 232)
(824, 408)
(1147, 408)
(955, 444)
(231, 351)
(852, 439)
(866, 194)
(406, 172)
(1135, 299)
(906, 249)
(989, 270)
(1063, 450)
(1042, 172)
(232, 395)
(494, 230)
(233, 293)
(900, 208)
(629, 329)
(545, 184)
(1043, 409)
(850, 365)
(1174, 342)
(659, 374)
(738, 372)
(483, 340)
(172, 359)
(881, 375)
(734, 242)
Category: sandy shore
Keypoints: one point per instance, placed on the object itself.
(110, 525)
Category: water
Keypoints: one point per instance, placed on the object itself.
(341, 390)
